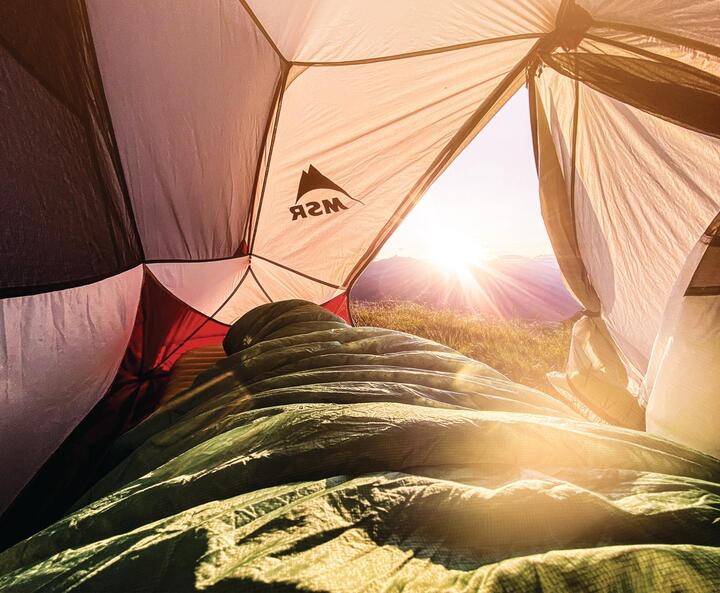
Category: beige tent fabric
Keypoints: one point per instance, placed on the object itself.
(341, 30)
(203, 285)
(682, 383)
(281, 283)
(54, 369)
(554, 164)
(190, 86)
(606, 40)
(632, 248)
(694, 19)
(645, 190)
(595, 373)
(222, 289)
(597, 377)
(374, 130)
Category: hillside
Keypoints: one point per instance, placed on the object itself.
(509, 287)
(521, 350)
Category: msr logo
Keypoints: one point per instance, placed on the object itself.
(328, 196)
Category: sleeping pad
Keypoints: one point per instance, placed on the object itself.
(322, 457)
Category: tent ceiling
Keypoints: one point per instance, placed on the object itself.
(695, 20)
(191, 154)
(329, 31)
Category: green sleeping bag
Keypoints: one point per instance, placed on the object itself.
(322, 457)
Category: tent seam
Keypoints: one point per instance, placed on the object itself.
(455, 142)
(263, 30)
(114, 150)
(203, 324)
(192, 261)
(271, 148)
(297, 272)
(262, 288)
(664, 36)
(573, 165)
(420, 53)
(274, 107)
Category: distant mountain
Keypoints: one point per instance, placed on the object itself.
(509, 287)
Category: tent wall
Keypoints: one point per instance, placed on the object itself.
(66, 220)
(552, 132)
(157, 328)
(679, 20)
(633, 248)
(190, 103)
(60, 352)
(624, 153)
(631, 110)
(686, 351)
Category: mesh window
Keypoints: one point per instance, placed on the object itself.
(65, 219)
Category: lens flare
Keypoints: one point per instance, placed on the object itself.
(458, 255)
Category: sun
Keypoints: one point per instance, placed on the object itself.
(456, 253)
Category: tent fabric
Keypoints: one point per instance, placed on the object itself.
(706, 277)
(204, 286)
(157, 329)
(66, 220)
(663, 89)
(43, 337)
(688, 344)
(675, 167)
(633, 250)
(636, 43)
(190, 104)
(248, 151)
(345, 119)
(596, 376)
(553, 159)
(317, 456)
(321, 31)
(689, 21)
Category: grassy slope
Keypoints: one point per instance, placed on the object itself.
(522, 350)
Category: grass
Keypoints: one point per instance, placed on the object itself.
(522, 350)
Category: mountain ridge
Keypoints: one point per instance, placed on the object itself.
(506, 287)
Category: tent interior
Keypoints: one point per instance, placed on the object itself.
(167, 167)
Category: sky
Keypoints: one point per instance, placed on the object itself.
(486, 202)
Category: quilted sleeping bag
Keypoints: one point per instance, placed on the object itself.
(322, 457)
